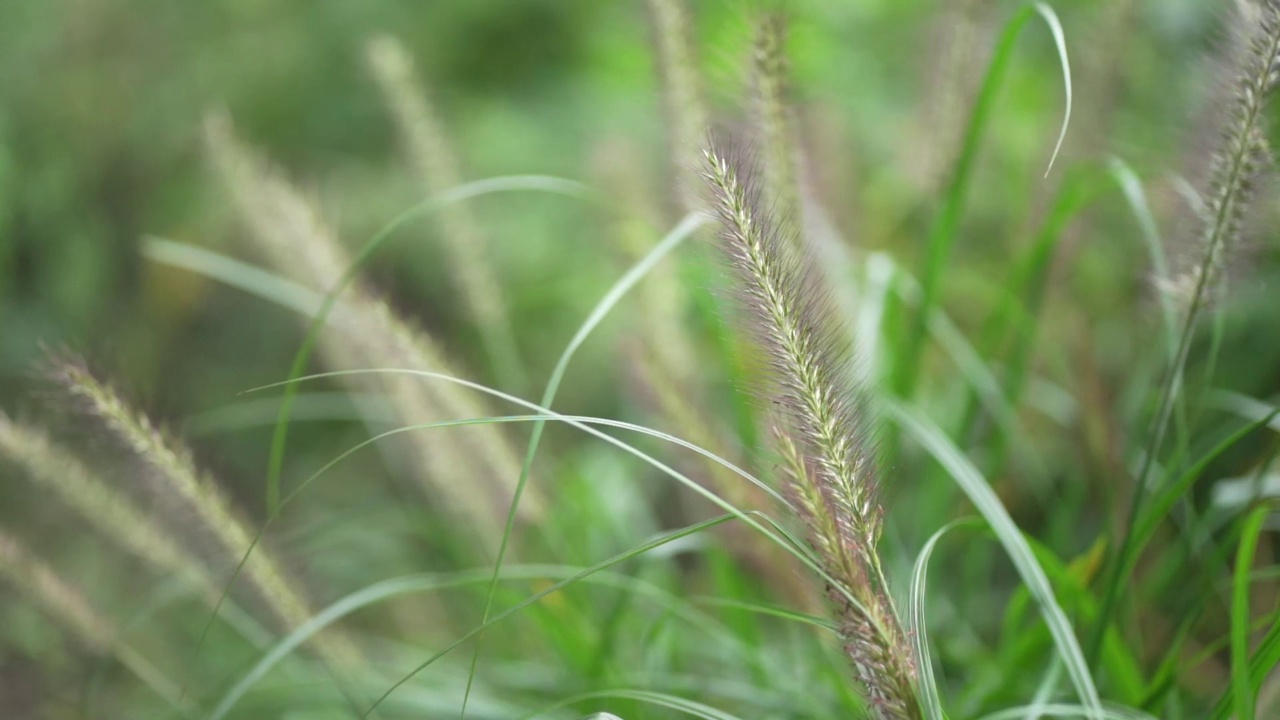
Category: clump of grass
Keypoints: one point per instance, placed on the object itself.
(429, 152)
(470, 470)
(820, 429)
(194, 493)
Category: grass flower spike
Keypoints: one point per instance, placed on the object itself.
(188, 489)
(820, 430)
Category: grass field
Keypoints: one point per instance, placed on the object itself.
(733, 359)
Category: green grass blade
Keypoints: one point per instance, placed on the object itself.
(682, 232)
(1067, 711)
(1015, 545)
(771, 611)
(605, 564)
(1169, 496)
(389, 589)
(917, 628)
(1134, 195)
(942, 237)
(234, 273)
(1242, 690)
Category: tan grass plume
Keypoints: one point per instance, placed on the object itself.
(194, 492)
(820, 428)
(431, 156)
(470, 470)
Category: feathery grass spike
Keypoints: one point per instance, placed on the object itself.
(820, 429)
(429, 152)
(682, 95)
(115, 515)
(293, 238)
(196, 492)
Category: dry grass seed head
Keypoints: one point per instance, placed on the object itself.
(474, 477)
(820, 426)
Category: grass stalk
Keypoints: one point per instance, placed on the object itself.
(681, 95)
(1240, 159)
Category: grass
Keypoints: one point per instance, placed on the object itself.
(820, 434)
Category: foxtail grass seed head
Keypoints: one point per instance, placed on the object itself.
(55, 469)
(1242, 156)
(293, 239)
(681, 95)
(431, 155)
(821, 432)
(186, 486)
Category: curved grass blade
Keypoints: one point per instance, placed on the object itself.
(1060, 43)
(1015, 545)
(682, 232)
(777, 534)
(1243, 693)
(1131, 187)
(917, 628)
(942, 237)
(1068, 711)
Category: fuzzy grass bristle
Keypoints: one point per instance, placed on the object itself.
(820, 426)
(54, 468)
